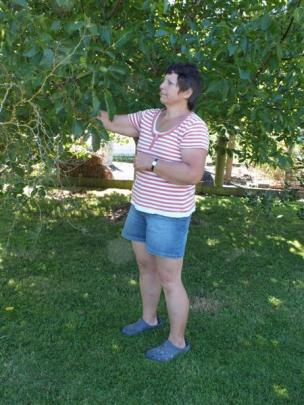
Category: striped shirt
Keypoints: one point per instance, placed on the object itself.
(151, 193)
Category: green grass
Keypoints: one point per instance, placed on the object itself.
(68, 283)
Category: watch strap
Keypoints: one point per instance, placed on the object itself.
(154, 163)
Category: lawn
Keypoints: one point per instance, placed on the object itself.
(69, 282)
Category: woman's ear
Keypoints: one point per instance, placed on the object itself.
(188, 93)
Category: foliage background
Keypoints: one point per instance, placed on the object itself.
(64, 60)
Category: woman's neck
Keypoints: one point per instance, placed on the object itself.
(175, 112)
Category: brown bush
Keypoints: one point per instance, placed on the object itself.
(91, 167)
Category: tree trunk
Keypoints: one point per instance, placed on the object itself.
(229, 160)
(220, 161)
(289, 173)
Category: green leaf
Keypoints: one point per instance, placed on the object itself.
(297, 15)
(47, 57)
(19, 170)
(73, 26)
(206, 23)
(77, 129)
(95, 103)
(213, 87)
(92, 28)
(56, 25)
(224, 89)
(110, 54)
(283, 161)
(103, 132)
(184, 49)
(265, 22)
(143, 47)
(173, 39)
(22, 3)
(244, 75)
(95, 141)
(118, 69)
(66, 5)
(109, 104)
(161, 33)
(244, 44)
(233, 108)
(124, 39)
(231, 49)
(279, 51)
(106, 33)
(32, 52)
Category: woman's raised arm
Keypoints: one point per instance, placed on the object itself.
(120, 124)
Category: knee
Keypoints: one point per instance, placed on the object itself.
(169, 281)
(145, 266)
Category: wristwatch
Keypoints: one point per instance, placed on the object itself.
(154, 163)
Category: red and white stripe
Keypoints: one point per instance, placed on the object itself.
(151, 193)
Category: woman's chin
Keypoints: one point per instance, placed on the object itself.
(162, 99)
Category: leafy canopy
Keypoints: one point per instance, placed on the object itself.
(64, 60)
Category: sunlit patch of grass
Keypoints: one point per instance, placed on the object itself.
(276, 302)
(275, 342)
(298, 283)
(9, 309)
(119, 251)
(245, 283)
(204, 304)
(280, 391)
(261, 340)
(277, 238)
(212, 242)
(296, 248)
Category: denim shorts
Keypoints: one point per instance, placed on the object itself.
(163, 236)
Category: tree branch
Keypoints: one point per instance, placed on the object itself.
(284, 36)
(115, 8)
(294, 57)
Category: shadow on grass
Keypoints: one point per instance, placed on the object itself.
(230, 241)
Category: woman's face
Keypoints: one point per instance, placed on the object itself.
(169, 91)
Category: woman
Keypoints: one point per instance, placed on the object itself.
(171, 154)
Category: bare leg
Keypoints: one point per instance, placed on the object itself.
(150, 286)
(177, 301)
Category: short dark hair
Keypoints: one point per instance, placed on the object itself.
(188, 78)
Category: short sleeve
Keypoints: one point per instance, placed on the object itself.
(196, 136)
(136, 118)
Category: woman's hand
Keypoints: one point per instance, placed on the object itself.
(143, 162)
(103, 117)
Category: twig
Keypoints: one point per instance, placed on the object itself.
(114, 9)
(56, 67)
